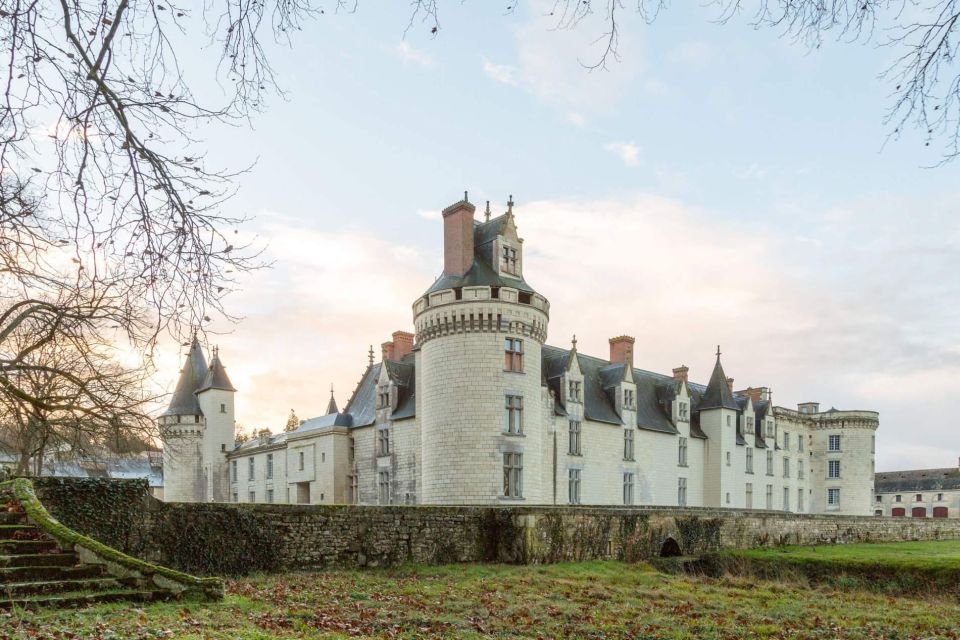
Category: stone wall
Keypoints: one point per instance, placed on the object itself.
(231, 538)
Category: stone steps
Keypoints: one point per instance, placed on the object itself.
(47, 573)
(17, 531)
(8, 517)
(39, 560)
(83, 599)
(15, 590)
(17, 547)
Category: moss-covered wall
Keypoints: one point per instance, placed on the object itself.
(229, 539)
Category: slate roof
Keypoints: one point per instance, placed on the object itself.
(402, 374)
(362, 407)
(917, 480)
(216, 377)
(718, 394)
(184, 401)
(481, 273)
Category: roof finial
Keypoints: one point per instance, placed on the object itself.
(216, 351)
(510, 205)
(370, 355)
(466, 197)
(331, 389)
(718, 352)
(487, 212)
(574, 341)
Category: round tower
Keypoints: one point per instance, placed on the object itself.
(181, 429)
(479, 331)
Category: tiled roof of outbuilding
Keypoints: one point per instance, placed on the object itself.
(917, 480)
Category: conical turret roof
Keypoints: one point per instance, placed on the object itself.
(184, 401)
(216, 377)
(718, 394)
(332, 405)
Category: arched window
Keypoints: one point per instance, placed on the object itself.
(898, 512)
(918, 512)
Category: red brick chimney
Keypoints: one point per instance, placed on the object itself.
(402, 344)
(621, 349)
(755, 394)
(681, 373)
(386, 351)
(730, 384)
(458, 237)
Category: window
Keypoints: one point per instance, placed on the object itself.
(300, 461)
(269, 469)
(383, 484)
(628, 487)
(799, 499)
(833, 497)
(509, 263)
(750, 425)
(223, 408)
(575, 390)
(833, 468)
(749, 494)
(873, 444)
(728, 497)
(233, 471)
(786, 441)
(513, 475)
(728, 458)
(769, 463)
(786, 498)
(800, 443)
(196, 419)
(879, 498)
(769, 496)
(729, 420)
(354, 489)
(573, 485)
(513, 355)
(383, 441)
(786, 467)
(236, 496)
(353, 449)
(939, 497)
(253, 496)
(898, 498)
(628, 443)
(800, 473)
(383, 397)
(769, 428)
(682, 492)
(250, 469)
(513, 416)
(684, 412)
(749, 460)
(878, 512)
(323, 456)
(918, 498)
(270, 495)
(683, 452)
(833, 443)
(628, 399)
(573, 438)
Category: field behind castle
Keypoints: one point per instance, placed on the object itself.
(584, 600)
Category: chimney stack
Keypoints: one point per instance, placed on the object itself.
(758, 394)
(402, 344)
(621, 349)
(730, 384)
(681, 373)
(386, 351)
(458, 237)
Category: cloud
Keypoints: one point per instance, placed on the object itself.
(416, 56)
(502, 73)
(626, 151)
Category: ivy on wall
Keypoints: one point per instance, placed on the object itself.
(215, 539)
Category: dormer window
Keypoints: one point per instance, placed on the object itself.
(508, 262)
(684, 412)
(628, 399)
(513, 355)
(383, 397)
(575, 391)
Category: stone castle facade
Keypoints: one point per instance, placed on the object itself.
(476, 408)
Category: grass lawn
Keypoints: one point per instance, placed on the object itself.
(585, 600)
(939, 554)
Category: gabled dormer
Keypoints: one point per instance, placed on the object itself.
(571, 382)
(682, 401)
(386, 393)
(618, 381)
(508, 248)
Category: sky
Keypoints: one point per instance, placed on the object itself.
(717, 185)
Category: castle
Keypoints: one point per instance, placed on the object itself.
(475, 408)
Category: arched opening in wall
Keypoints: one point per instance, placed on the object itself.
(939, 512)
(898, 512)
(670, 549)
(918, 512)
